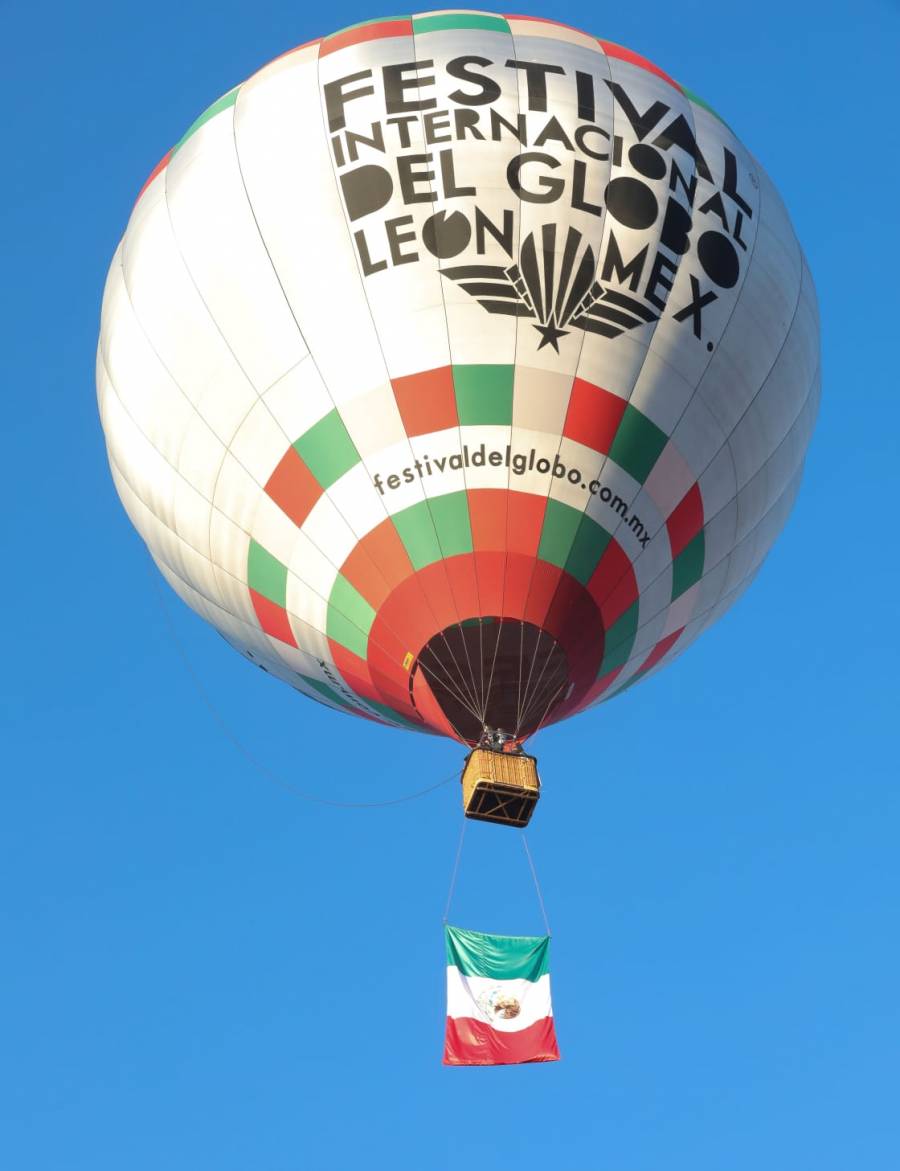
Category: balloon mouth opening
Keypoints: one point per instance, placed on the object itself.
(499, 673)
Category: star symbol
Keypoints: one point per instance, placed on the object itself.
(550, 335)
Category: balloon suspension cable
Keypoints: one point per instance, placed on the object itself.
(453, 876)
(537, 885)
(257, 764)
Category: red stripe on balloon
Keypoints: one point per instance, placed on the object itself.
(163, 162)
(661, 649)
(593, 416)
(293, 487)
(685, 520)
(613, 584)
(611, 49)
(426, 401)
(273, 618)
(378, 563)
(366, 32)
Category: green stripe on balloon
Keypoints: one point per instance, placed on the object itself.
(591, 541)
(327, 449)
(329, 693)
(350, 617)
(687, 568)
(484, 395)
(448, 20)
(435, 528)
(572, 540)
(619, 641)
(638, 444)
(389, 713)
(692, 97)
(266, 574)
(658, 653)
(224, 103)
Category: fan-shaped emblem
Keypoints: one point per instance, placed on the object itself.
(560, 289)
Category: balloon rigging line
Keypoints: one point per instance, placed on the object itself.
(537, 885)
(260, 767)
(519, 685)
(454, 874)
(451, 685)
(526, 701)
(550, 704)
(520, 713)
(455, 871)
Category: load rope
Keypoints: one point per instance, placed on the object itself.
(258, 765)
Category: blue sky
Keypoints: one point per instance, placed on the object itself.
(191, 953)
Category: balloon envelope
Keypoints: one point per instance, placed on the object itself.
(459, 369)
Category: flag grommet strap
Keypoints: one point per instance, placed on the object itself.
(499, 1010)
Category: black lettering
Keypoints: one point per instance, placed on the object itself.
(730, 184)
(536, 81)
(553, 188)
(715, 206)
(679, 133)
(366, 188)
(403, 123)
(736, 234)
(614, 266)
(689, 186)
(396, 83)
(409, 178)
(581, 134)
(448, 177)
(396, 238)
(518, 131)
(433, 123)
(553, 132)
(696, 306)
(659, 278)
(584, 87)
(676, 228)
(336, 97)
(376, 141)
(460, 68)
(641, 124)
(503, 236)
(579, 182)
(467, 120)
(362, 247)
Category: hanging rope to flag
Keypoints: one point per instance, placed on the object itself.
(499, 1010)
(537, 885)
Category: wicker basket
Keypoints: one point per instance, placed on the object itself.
(500, 786)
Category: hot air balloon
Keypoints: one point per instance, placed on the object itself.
(459, 369)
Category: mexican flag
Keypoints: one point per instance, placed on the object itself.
(498, 999)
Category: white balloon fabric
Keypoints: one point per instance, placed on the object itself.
(459, 369)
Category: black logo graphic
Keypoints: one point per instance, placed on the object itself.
(560, 289)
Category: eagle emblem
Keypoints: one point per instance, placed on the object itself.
(558, 288)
